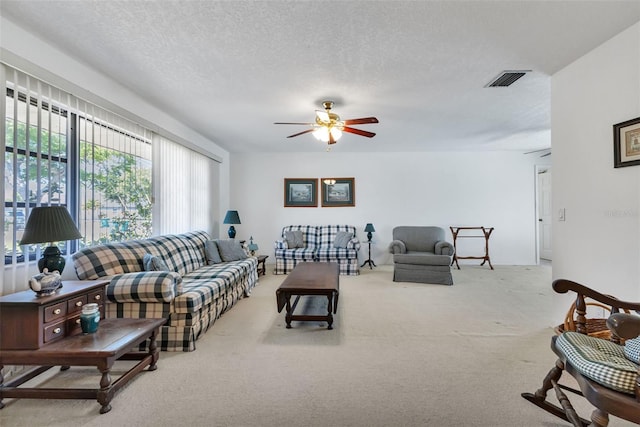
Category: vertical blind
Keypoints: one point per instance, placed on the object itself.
(34, 163)
(184, 188)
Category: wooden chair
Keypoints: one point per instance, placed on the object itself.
(606, 400)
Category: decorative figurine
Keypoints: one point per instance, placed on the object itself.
(45, 283)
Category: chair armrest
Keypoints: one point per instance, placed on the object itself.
(624, 325)
(397, 247)
(443, 248)
(563, 286)
(281, 244)
(145, 286)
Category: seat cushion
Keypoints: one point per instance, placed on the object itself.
(421, 258)
(599, 360)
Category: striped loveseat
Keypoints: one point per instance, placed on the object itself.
(191, 295)
(318, 245)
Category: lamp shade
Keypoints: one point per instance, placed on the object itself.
(232, 217)
(49, 224)
(369, 228)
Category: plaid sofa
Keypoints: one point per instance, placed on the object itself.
(318, 247)
(191, 296)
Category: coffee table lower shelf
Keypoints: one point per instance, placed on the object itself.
(114, 340)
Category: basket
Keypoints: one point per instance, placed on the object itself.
(596, 327)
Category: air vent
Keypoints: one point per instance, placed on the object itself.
(506, 78)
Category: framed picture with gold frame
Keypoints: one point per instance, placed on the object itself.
(338, 192)
(626, 143)
(301, 192)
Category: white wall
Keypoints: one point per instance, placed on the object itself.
(492, 189)
(599, 243)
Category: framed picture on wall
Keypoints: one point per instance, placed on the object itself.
(300, 192)
(338, 192)
(626, 143)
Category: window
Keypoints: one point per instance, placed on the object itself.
(63, 151)
(114, 183)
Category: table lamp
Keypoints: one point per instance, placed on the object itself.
(369, 229)
(232, 217)
(50, 224)
(252, 246)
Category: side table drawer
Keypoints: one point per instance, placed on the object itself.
(54, 332)
(75, 304)
(97, 297)
(55, 311)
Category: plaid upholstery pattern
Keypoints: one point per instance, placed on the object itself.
(191, 297)
(145, 286)
(600, 360)
(318, 248)
(632, 349)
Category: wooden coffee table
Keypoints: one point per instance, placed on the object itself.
(114, 340)
(310, 278)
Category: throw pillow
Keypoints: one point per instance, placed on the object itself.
(211, 252)
(230, 250)
(154, 263)
(342, 239)
(294, 239)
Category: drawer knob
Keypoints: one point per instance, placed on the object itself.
(57, 330)
(77, 321)
(79, 304)
(97, 297)
(57, 311)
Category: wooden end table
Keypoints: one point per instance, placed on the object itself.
(262, 268)
(113, 341)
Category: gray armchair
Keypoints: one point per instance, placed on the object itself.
(421, 254)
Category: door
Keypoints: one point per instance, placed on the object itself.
(544, 213)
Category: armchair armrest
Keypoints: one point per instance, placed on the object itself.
(354, 243)
(280, 244)
(397, 247)
(624, 325)
(443, 248)
(145, 286)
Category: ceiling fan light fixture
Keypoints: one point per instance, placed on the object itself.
(336, 133)
(321, 134)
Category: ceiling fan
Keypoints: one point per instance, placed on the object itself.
(328, 126)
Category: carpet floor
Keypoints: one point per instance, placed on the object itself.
(400, 354)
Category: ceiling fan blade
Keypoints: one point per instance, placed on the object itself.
(359, 132)
(287, 123)
(301, 133)
(362, 121)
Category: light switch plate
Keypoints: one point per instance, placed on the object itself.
(561, 214)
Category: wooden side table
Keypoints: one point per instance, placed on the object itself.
(486, 233)
(262, 268)
(369, 261)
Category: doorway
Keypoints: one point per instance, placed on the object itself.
(543, 214)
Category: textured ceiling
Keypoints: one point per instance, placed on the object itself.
(229, 69)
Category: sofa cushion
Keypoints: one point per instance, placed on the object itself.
(327, 233)
(294, 239)
(212, 253)
(230, 250)
(154, 263)
(342, 239)
(422, 258)
(600, 360)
